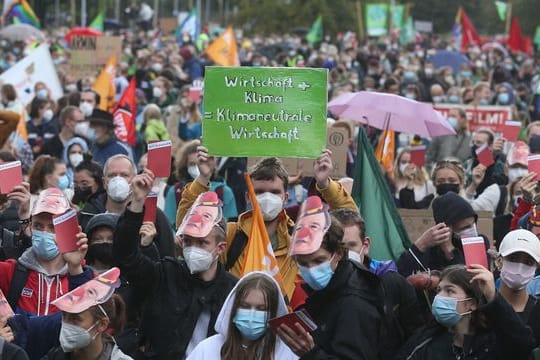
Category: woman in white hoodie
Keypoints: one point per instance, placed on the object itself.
(242, 324)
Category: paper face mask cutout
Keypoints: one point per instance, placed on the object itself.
(312, 224)
(91, 293)
(203, 215)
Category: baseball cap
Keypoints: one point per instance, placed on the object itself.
(52, 201)
(520, 241)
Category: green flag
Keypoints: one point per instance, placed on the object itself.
(370, 192)
(537, 36)
(315, 35)
(97, 23)
(407, 34)
(501, 9)
(376, 19)
(397, 12)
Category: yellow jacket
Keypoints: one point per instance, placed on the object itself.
(335, 195)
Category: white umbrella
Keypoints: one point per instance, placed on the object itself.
(21, 32)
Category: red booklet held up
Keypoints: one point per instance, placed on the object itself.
(150, 207)
(474, 249)
(159, 158)
(485, 157)
(10, 176)
(66, 227)
(5, 310)
(301, 317)
(534, 165)
(195, 94)
(418, 155)
(511, 130)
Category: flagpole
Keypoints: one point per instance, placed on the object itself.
(360, 20)
(508, 16)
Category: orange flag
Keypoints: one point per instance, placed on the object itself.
(223, 50)
(21, 126)
(385, 149)
(104, 85)
(259, 253)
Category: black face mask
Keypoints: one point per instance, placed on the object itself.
(444, 188)
(81, 194)
(102, 252)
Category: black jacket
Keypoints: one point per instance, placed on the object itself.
(175, 298)
(348, 319)
(164, 239)
(507, 338)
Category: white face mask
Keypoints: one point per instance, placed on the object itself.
(197, 259)
(75, 159)
(157, 67)
(403, 168)
(156, 92)
(86, 108)
(71, 88)
(81, 128)
(73, 337)
(118, 189)
(516, 173)
(193, 171)
(48, 115)
(356, 257)
(271, 205)
(468, 232)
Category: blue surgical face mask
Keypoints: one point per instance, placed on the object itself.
(453, 122)
(453, 99)
(317, 277)
(42, 94)
(44, 245)
(503, 98)
(444, 309)
(251, 323)
(484, 101)
(466, 74)
(63, 182)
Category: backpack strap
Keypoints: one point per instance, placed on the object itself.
(18, 280)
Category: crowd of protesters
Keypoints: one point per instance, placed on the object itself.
(181, 292)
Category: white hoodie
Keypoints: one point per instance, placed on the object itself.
(210, 348)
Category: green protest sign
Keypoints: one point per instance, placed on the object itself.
(376, 19)
(258, 111)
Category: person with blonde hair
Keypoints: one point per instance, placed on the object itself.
(414, 190)
(153, 127)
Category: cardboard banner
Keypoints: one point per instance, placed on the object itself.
(37, 66)
(265, 111)
(418, 221)
(89, 54)
(337, 141)
(493, 117)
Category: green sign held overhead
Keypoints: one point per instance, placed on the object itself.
(258, 111)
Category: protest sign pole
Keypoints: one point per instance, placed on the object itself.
(83, 13)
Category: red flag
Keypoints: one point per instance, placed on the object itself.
(469, 36)
(125, 114)
(516, 41)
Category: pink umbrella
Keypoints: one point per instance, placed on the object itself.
(388, 111)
